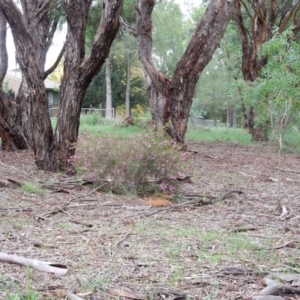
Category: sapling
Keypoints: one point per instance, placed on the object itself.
(276, 93)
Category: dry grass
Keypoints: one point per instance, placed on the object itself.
(110, 242)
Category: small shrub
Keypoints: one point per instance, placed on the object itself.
(139, 163)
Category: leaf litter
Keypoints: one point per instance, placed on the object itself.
(124, 247)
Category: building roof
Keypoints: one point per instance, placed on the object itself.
(14, 78)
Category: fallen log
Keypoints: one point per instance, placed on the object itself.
(43, 266)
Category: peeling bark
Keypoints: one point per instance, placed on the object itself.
(172, 98)
(9, 132)
(78, 73)
(36, 102)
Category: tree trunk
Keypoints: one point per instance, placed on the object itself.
(127, 100)
(157, 83)
(79, 72)
(41, 33)
(234, 117)
(174, 98)
(9, 132)
(197, 55)
(36, 98)
(108, 111)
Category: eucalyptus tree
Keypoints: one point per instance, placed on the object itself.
(172, 98)
(7, 142)
(33, 25)
(52, 152)
(79, 71)
(258, 22)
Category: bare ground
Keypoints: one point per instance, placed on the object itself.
(114, 244)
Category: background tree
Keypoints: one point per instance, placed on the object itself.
(96, 92)
(169, 38)
(257, 21)
(211, 94)
(276, 93)
(124, 68)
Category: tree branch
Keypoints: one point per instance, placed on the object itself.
(58, 59)
(128, 28)
(42, 10)
(105, 34)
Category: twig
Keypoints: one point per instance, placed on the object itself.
(243, 229)
(123, 239)
(285, 245)
(286, 170)
(284, 213)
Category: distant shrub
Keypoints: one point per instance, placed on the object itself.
(143, 163)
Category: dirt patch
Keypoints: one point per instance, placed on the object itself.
(122, 244)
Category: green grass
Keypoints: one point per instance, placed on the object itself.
(291, 141)
(219, 134)
(32, 188)
(96, 125)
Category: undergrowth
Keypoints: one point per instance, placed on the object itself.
(145, 163)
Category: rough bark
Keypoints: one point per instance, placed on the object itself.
(41, 28)
(197, 55)
(36, 102)
(157, 83)
(173, 98)
(78, 73)
(9, 132)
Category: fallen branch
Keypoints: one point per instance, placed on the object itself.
(237, 272)
(123, 239)
(57, 269)
(291, 171)
(243, 229)
(71, 296)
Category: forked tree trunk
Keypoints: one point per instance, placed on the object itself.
(79, 72)
(174, 97)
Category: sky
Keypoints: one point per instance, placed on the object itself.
(52, 54)
(60, 37)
